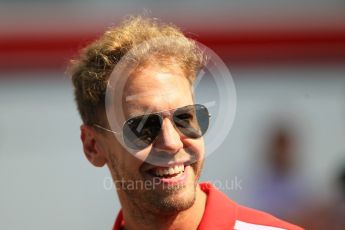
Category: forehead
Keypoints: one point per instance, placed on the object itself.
(155, 88)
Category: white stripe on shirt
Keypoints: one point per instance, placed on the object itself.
(240, 225)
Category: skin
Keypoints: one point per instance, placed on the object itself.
(158, 207)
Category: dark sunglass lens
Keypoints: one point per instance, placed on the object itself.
(203, 117)
(192, 120)
(140, 132)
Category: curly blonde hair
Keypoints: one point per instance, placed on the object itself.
(91, 70)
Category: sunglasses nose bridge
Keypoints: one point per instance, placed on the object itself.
(169, 139)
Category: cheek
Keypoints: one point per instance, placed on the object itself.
(124, 165)
(120, 162)
(142, 154)
(195, 147)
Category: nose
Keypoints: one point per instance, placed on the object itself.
(169, 139)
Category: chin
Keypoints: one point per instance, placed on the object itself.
(174, 199)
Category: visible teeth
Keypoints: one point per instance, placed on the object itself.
(169, 171)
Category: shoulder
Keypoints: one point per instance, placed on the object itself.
(222, 212)
(248, 218)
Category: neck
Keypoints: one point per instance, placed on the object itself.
(138, 218)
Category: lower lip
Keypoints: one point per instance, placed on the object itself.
(182, 179)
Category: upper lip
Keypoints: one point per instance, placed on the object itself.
(167, 165)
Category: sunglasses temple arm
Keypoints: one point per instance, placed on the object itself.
(105, 129)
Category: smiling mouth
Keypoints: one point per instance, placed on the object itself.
(168, 172)
(176, 174)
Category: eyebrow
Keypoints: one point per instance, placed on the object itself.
(150, 111)
(139, 110)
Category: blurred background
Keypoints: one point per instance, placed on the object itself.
(285, 153)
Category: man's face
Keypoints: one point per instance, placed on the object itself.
(158, 89)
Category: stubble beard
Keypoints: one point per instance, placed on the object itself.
(158, 200)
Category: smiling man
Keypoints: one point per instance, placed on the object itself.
(133, 88)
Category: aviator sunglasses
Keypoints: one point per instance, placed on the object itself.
(138, 132)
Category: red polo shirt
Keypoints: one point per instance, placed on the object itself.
(223, 213)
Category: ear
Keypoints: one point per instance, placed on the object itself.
(91, 146)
